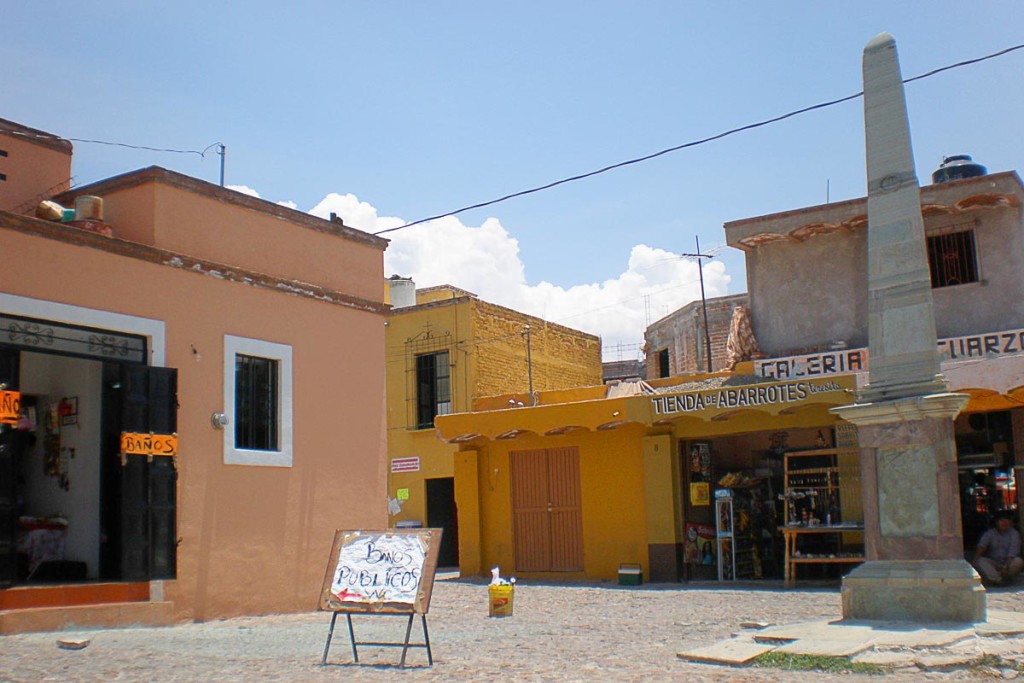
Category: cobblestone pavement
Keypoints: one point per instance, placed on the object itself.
(564, 632)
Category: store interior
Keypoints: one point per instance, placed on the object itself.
(60, 473)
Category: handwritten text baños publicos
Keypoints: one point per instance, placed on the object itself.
(740, 397)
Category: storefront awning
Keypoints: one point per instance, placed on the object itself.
(992, 383)
(717, 399)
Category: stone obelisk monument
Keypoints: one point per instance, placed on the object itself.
(915, 569)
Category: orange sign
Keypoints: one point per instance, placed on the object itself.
(10, 407)
(149, 444)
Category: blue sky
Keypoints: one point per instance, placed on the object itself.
(391, 112)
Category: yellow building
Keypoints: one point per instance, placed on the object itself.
(446, 348)
(597, 477)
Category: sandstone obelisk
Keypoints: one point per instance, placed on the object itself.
(915, 569)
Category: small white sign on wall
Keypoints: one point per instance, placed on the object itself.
(411, 464)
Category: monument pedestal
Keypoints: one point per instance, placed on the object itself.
(920, 591)
(915, 569)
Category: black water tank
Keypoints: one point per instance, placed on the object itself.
(956, 167)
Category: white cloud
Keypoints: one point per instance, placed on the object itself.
(288, 204)
(244, 189)
(485, 260)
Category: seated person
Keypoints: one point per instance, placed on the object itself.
(997, 558)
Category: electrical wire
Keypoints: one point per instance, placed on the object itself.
(115, 144)
(694, 143)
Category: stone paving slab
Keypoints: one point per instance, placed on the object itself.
(944, 660)
(922, 637)
(735, 652)
(1002, 623)
(828, 630)
(898, 658)
(821, 647)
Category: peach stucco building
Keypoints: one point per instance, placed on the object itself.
(253, 332)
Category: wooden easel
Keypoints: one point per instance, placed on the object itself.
(405, 645)
(366, 597)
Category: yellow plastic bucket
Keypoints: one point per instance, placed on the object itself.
(501, 600)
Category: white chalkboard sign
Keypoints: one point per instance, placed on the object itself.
(389, 571)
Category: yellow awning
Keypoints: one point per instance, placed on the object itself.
(715, 404)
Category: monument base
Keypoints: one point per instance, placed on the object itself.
(914, 590)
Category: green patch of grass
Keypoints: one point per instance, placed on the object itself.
(779, 660)
(989, 661)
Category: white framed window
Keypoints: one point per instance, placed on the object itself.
(257, 402)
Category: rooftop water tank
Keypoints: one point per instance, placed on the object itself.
(403, 292)
(956, 167)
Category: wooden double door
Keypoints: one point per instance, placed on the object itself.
(547, 511)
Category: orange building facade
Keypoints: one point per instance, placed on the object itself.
(203, 318)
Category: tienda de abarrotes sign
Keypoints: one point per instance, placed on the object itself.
(770, 396)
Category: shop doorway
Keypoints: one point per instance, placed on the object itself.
(442, 514)
(72, 508)
(547, 514)
(988, 484)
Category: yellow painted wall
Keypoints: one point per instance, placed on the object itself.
(561, 357)
(448, 318)
(612, 484)
(661, 494)
(447, 322)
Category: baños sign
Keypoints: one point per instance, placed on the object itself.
(381, 571)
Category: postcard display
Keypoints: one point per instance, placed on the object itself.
(734, 532)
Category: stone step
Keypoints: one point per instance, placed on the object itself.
(73, 617)
(55, 595)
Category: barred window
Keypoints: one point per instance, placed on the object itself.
(257, 402)
(256, 395)
(663, 365)
(433, 388)
(953, 259)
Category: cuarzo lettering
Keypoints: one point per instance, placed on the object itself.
(982, 345)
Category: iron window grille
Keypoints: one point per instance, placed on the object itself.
(257, 383)
(433, 388)
(952, 258)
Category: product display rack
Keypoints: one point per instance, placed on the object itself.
(739, 518)
(813, 508)
(812, 492)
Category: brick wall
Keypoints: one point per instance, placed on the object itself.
(561, 357)
(682, 333)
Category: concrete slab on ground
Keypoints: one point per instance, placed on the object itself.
(899, 658)
(734, 652)
(944, 660)
(1002, 623)
(924, 636)
(820, 647)
(836, 631)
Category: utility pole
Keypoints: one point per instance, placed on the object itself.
(223, 152)
(703, 301)
(529, 362)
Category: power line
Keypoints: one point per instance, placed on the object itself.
(115, 144)
(694, 143)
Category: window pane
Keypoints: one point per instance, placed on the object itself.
(952, 259)
(433, 388)
(256, 403)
